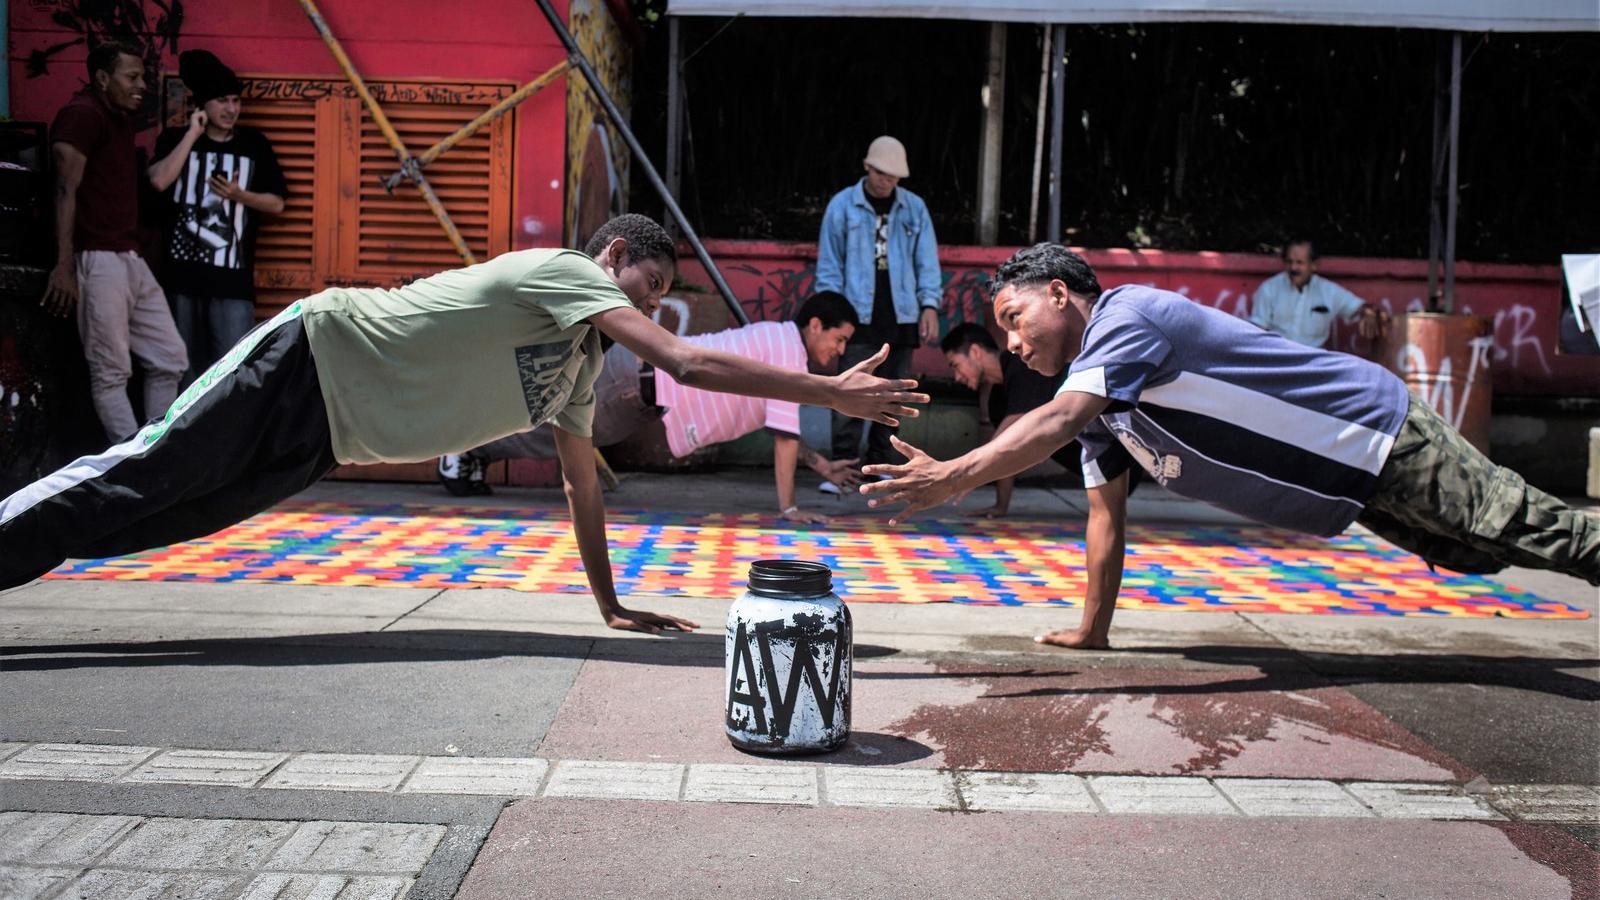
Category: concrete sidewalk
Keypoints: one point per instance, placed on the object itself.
(279, 741)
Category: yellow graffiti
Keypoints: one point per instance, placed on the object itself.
(601, 39)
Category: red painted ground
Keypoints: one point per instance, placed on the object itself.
(1129, 721)
(589, 848)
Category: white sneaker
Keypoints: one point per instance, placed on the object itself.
(450, 466)
(828, 487)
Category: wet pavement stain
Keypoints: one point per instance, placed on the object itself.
(1237, 722)
(1559, 852)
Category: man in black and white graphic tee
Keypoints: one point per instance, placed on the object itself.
(219, 177)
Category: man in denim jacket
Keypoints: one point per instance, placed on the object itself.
(877, 249)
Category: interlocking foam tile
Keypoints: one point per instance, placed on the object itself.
(1002, 562)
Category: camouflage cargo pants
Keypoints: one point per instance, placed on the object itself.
(1441, 499)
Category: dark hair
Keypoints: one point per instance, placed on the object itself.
(1043, 263)
(1311, 247)
(104, 55)
(646, 239)
(829, 306)
(967, 335)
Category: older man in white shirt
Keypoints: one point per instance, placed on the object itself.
(1301, 305)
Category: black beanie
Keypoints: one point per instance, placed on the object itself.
(205, 76)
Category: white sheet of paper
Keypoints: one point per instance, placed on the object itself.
(1583, 285)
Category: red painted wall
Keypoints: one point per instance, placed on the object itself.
(487, 40)
(771, 279)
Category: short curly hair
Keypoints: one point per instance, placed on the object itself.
(1044, 263)
(646, 239)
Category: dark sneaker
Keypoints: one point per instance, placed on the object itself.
(477, 475)
(453, 471)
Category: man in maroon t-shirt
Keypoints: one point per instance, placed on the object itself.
(99, 273)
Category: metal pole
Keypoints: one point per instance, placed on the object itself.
(674, 111)
(577, 58)
(1058, 88)
(407, 164)
(1038, 136)
(492, 113)
(994, 110)
(1455, 154)
(1436, 175)
(5, 59)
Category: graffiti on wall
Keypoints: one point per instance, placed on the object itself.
(597, 158)
(1519, 342)
(1522, 304)
(156, 29)
(775, 293)
(1435, 381)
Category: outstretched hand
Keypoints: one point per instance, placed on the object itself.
(921, 483)
(861, 394)
(647, 622)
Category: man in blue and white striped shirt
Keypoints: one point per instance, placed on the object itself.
(1247, 420)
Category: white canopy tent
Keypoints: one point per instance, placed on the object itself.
(1444, 15)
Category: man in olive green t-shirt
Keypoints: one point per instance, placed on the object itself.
(438, 366)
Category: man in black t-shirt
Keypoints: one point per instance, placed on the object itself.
(1014, 389)
(219, 177)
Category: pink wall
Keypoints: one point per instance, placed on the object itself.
(486, 40)
(771, 278)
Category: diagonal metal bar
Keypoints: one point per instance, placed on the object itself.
(599, 89)
(407, 163)
(471, 128)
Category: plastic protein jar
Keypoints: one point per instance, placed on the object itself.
(787, 668)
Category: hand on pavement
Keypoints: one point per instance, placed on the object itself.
(808, 518)
(647, 622)
(842, 472)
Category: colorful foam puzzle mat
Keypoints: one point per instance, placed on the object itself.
(958, 560)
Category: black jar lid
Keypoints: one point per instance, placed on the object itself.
(790, 578)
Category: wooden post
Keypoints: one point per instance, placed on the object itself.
(994, 109)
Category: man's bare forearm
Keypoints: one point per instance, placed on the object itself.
(1105, 548)
(165, 170)
(785, 449)
(811, 459)
(267, 203)
(66, 204)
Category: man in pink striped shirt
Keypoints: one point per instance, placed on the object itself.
(629, 396)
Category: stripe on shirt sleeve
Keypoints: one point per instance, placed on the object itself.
(1086, 381)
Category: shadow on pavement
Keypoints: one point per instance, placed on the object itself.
(369, 647)
(1268, 668)
(1281, 669)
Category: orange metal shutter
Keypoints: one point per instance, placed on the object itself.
(339, 226)
(289, 262)
(395, 238)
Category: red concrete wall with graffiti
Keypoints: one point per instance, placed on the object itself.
(1524, 302)
(499, 40)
